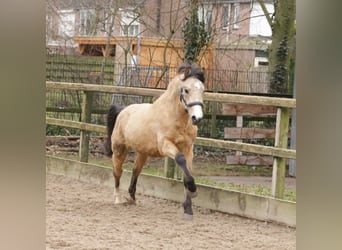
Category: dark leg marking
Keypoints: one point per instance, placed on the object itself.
(187, 205)
(132, 186)
(180, 160)
(189, 181)
(139, 163)
(117, 181)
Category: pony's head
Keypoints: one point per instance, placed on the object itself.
(191, 90)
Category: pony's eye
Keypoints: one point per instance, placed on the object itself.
(186, 91)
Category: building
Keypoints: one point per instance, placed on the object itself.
(149, 33)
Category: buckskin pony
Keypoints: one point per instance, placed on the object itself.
(167, 127)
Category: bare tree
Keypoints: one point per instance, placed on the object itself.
(282, 49)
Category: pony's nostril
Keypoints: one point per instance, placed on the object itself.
(195, 120)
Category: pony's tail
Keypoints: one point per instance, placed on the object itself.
(112, 114)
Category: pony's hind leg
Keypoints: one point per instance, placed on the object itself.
(139, 163)
(118, 160)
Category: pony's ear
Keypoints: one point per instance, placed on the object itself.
(182, 77)
(184, 71)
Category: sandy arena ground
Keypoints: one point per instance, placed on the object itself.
(82, 216)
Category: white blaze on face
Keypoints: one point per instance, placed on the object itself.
(196, 111)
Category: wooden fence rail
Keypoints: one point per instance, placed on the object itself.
(246, 147)
(279, 151)
(217, 97)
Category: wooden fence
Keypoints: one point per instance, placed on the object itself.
(239, 132)
(280, 152)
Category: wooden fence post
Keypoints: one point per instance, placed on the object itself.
(239, 124)
(85, 117)
(213, 130)
(214, 110)
(169, 167)
(279, 163)
(292, 162)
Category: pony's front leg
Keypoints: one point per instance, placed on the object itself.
(189, 186)
(170, 150)
(189, 181)
(187, 205)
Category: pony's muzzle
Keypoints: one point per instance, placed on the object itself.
(196, 114)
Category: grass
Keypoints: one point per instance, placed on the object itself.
(156, 167)
(289, 194)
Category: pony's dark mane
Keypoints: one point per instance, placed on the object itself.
(191, 70)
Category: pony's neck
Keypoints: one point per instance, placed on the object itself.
(171, 98)
(171, 92)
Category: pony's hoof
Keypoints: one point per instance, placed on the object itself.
(187, 216)
(130, 201)
(119, 200)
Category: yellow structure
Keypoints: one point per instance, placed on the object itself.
(153, 51)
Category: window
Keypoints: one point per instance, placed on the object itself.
(66, 24)
(51, 31)
(236, 9)
(129, 23)
(261, 58)
(87, 22)
(261, 53)
(225, 16)
(107, 20)
(204, 15)
(130, 30)
(260, 61)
